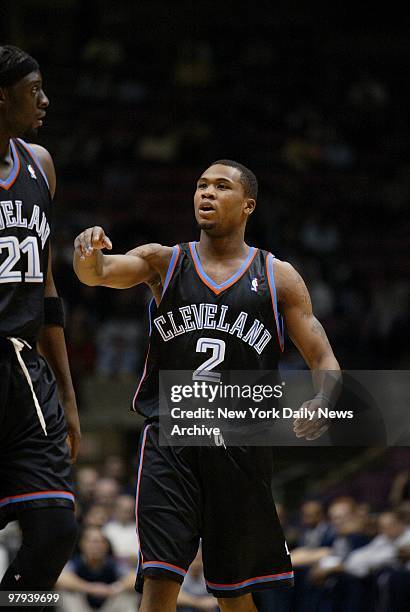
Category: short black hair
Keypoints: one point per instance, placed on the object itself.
(248, 179)
(11, 56)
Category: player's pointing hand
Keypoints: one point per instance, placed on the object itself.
(91, 239)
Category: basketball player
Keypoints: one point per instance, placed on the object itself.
(208, 295)
(35, 464)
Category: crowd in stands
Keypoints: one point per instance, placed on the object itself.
(314, 104)
(348, 555)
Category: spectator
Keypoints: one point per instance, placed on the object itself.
(114, 467)
(95, 516)
(106, 492)
(350, 533)
(400, 489)
(316, 531)
(86, 480)
(92, 579)
(121, 532)
(383, 550)
(193, 595)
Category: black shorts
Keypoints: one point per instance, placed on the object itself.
(220, 496)
(35, 469)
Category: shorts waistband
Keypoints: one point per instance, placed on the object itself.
(6, 347)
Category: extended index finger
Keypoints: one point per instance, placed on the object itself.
(99, 239)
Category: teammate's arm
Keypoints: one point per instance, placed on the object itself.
(310, 339)
(144, 264)
(51, 342)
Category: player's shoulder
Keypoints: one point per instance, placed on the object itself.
(41, 152)
(284, 271)
(47, 164)
(288, 281)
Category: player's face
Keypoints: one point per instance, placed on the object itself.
(220, 200)
(25, 105)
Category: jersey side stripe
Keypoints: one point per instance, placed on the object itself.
(272, 289)
(144, 373)
(144, 439)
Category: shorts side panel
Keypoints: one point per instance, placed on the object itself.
(167, 508)
(35, 469)
(244, 548)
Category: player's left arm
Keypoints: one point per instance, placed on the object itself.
(310, 338)
(51, 342)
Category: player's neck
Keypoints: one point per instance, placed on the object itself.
(224, 247)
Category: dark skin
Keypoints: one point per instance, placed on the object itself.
(22, 110)
(222, 208)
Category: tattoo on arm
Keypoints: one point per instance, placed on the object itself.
(294, 293)
(305, 303)
(317, 328)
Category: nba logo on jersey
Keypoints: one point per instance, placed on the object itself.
(31, 170)
(255, 284)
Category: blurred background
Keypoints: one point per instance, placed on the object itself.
(144, 96)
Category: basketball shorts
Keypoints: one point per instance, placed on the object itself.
(219, 497)
(35, 469)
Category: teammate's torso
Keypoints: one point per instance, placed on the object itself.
(209, 328)
(25, 210)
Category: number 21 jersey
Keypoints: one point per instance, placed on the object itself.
(25, 208)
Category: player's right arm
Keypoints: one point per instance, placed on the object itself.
(144, 264)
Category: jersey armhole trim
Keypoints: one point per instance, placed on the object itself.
(144, 372)
(11, 179)
(171, 267)
(272, 288)
(36, 160)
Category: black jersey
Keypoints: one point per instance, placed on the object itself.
(206, 328)
(25, 209)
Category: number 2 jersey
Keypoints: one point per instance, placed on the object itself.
(25, 210)
(208, 328)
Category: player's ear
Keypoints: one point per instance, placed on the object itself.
(250, 206)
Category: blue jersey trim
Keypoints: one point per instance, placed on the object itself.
(278, 317)
(230, 280)
(32, 496)
(245, 583)
(36, 159)
(171, 267)
(14, 171)
(166, 566)
(141, 461)
(150, 306)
